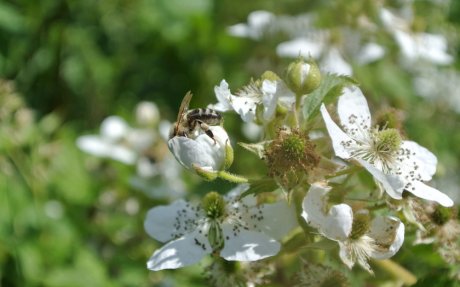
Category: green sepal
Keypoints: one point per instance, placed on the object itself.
(205, 174)
(229, 156)
(231, 177)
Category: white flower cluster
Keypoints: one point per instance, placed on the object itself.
(143, 146)
(359, 42)
(237, 228)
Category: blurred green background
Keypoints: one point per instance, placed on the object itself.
(64, 221)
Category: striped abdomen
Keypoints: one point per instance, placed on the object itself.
(207, 116)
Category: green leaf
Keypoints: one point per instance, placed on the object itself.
(330, 89)
(260, 185)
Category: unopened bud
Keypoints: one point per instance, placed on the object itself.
(303, 77)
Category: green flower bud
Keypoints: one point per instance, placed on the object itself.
(303, 77)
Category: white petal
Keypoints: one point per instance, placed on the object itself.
(202, 151)
(278, 220)
(98, 146)
(407, 45)
(424, 160)
(170, 221)
(239, 30)
(181, 252)
(93, 145)
(258, 21)
(147, 113)
(286, 97)
(369, 53)
(247, 245)
(114, 128)
(333, 62)
(335, 224)
(337, 136)
(146, 168)
(433, 48)
(388, 233)
(224, 96)
(236, 191)
(140, 139)
(354, 112)
(424, 191)
(245, 107)
(392, 184)
(252, 131)
(164, 128)
(346, 255)
(391, 21)
(269, 99)
(300, 47)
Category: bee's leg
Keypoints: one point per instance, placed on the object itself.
(206, 129)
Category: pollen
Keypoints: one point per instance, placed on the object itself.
(214, 205)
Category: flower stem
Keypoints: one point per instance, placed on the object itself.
(397, 271)
(232, 177)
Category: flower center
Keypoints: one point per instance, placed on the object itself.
(360, 226)
(213, 205)
(387, 142)
(293, 146)
(380, 148)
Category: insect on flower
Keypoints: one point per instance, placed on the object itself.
(189, 120)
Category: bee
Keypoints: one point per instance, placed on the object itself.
(189, 120)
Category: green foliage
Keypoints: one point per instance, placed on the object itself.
(67, 219)
(330, 90)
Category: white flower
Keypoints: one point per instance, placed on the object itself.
(275, 92)
(237, 230)
(359, 238)
(439, 85)
(269, 94)
(109, 143)
(147, 114)
(318, 45)
(395, 163)
(333, 62)
(416, 46)
(245, 104)
(201, 151)
(258, 22)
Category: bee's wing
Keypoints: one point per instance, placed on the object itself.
(184, 106)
